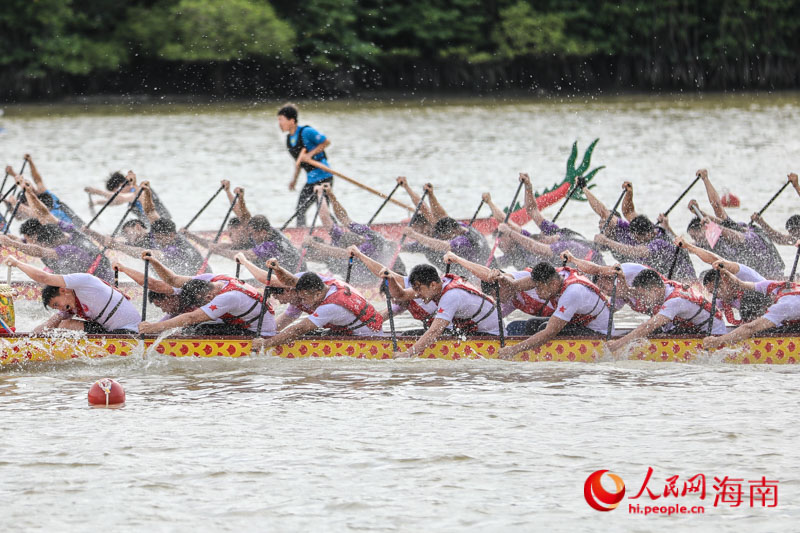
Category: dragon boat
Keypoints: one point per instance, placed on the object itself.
(20, 349)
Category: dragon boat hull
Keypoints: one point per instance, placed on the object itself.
(19, 349)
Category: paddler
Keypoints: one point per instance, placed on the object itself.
(85, 303)
(114, 182)
(347, 233)
(332, 304)
(218, 297)
(459, 303)
(792, 223)
(783, 316)
(617, 229)
(580, 307)
(673, 308)
(55, 206)
(304, 143)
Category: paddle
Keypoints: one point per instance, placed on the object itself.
(99, 257)
(317, 164)
(108, 202)
(472, 220)
(508, 215)
(238, 270)
(774, 196)
(371, 220)
(794, 266)
(349, 268)
(264, 302)
(204, 207)
(145, 289)
(297, 212)
(219, 233)
(116, 277)
(499, 312)
(580, 182)
(611, 213)
(13, 213)
(403, 238)
(613, 306)
(304, 251)
(674, 260)
(684, 193)
(385, 289)
(714, 301)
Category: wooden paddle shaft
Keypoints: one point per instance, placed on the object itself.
(357, 183)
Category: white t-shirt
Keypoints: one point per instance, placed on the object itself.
(429, 307)
(336, 315)
(458, 303)
(102, 304)
(581, 300)
(682, 308)
(787, 308)
(508, 306)
(242, 306)
(629, 272)
(748, 274)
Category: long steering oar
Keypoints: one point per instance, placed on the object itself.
(204, 266)
(298, 211)
(304, 251)
(390, 311)
(317, 164)
(714, 301)
(108, 202)
(99, 257)
(386, 201)
(684, 193)
(204, 207)
(774, 197)
(508, 215)
(403, 238)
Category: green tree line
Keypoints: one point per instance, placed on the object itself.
(290, 47)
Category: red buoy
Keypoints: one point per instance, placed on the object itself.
(730, 200)
(106, 392)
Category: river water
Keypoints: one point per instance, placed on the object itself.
(401, 445)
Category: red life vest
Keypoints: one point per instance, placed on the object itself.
(530, 305)
(467, 325)
(345, 296)
(234, 285)
(680, 291)
(779, 289)
(574, 278)
(420, 314)
(114, 290)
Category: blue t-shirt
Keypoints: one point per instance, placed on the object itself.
(311, 139)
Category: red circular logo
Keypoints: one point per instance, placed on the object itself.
(598, 497)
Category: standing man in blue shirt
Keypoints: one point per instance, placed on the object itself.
(304, 143)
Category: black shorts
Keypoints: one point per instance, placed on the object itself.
(94, 328)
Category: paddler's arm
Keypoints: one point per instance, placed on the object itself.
(226, 251)
(430, 336)
(169, 277)
(287, 335)
(397, 289)
(286, 278)
(733, 235)
(28, 249)
(123, 197)
(745, 331)
(297, 168)
(205, 243)
(793, 180)
(628, 209)
(40, 210)
(318, 149)
(338, 210)
(497, 213)
(324, 211)
(423, 210)
(531, 207)
(713, 196)
(36, 274)
(587, 267)
(776, 236)
(663, 221)
(625, 249)
(430, 242)
(258, 273)
(373, 266)
(596, 205)
(148, 206)
(50, 323)
(437, 210)
(37, 178)
(127, 249)
(730, 270)
(526, 242)
(703, 254)
(186, 319)
(153, 284)
(332, 251)
(642, 330)
(554, 326)
(241, 206)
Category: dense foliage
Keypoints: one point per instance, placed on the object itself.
(288, 47)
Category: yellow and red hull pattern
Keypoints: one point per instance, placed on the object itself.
(762, 350)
